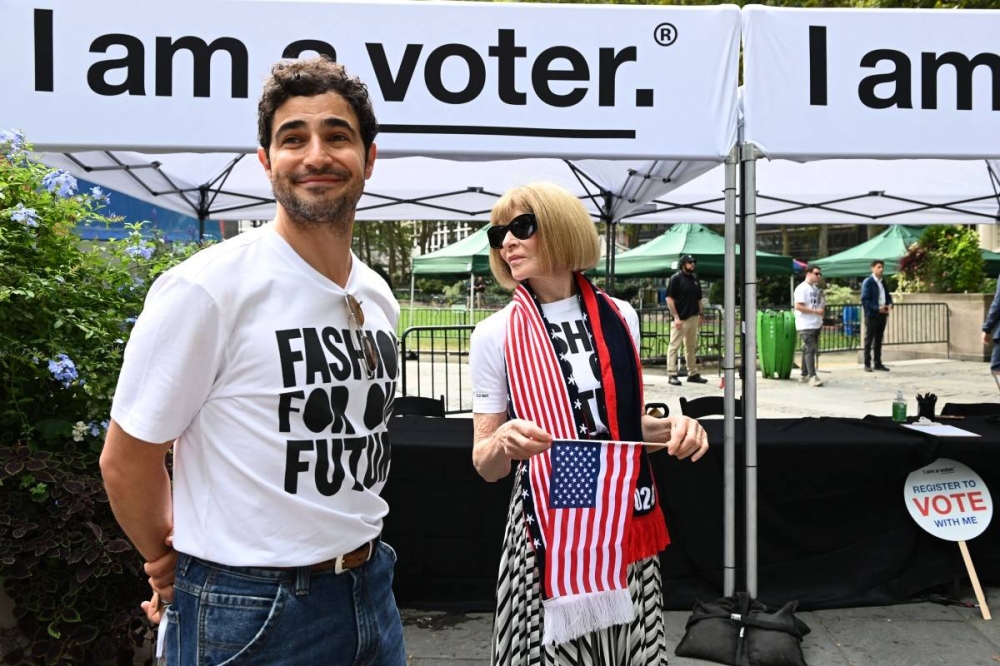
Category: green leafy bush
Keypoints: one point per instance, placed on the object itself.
(65, 314)
(946, 259)
(841, 295)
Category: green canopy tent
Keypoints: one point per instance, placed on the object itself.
(469, 255)
(889, 246)
(659, 256)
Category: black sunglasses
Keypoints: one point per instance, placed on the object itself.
(521, 227)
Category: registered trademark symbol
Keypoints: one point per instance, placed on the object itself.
(665, 34)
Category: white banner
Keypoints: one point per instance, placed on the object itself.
(822, 83)
(473, 80)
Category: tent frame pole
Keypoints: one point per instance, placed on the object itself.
(729, 377)
(749, 159)
(609, 258)
(203, 205)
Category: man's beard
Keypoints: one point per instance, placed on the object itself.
(336, 212)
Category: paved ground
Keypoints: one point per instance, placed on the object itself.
(915, 634)
(847, 390)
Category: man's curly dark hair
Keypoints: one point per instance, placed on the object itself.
(308, 78)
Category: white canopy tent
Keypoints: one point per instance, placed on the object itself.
(174, 124)
(869, 84)
(645, 96)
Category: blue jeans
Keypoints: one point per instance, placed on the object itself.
(245, 615)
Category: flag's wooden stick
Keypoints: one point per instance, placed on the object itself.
(648, 445)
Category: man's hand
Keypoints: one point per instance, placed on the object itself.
(161, 574)
(986, 338)
(154, 609)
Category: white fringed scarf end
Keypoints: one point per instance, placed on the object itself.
(567, 618)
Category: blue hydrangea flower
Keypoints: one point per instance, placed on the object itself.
(100, 195)
(136, 251)
(11, 141)
(29, 216)
(130, 320)
(95, 429)
(60, 183)
(105, 425)
(63, 369)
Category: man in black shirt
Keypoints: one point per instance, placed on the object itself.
(684, 301)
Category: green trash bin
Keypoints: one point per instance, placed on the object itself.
(765, 342)
(776, 343)
(785, 344)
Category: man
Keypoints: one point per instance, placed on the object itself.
(991, 334)
(684, 301)
(269, 362)
(810, 304)
(877, 304)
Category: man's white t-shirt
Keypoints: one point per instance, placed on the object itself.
(814, 299)
(488, 368)
(244, 354)
(881, 290)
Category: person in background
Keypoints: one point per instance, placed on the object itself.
(991, 334)
(810, 304)
(684, 301)
(268, 363)
(877, 304)
(479, 289)
(560, 363)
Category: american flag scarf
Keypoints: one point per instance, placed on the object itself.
(578, 496)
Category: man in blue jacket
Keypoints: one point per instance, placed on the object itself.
(991, 334)
(877, 303)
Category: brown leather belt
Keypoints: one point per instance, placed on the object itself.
(347, 561)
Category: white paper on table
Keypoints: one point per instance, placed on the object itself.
(940, 430)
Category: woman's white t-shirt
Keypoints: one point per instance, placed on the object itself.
(488, 368)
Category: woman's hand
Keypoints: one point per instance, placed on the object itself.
(684, 437)
(520, 439)
(499, 441)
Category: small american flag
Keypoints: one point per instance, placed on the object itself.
(589, 502)
(575, 468)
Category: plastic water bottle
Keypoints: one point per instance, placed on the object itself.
(899, 408)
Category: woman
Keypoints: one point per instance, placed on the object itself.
(560, 363)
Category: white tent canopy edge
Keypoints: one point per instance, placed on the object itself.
(843, 191)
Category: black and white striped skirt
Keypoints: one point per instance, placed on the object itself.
(517, 629)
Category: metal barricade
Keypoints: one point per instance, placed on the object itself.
(435, 364)
(908, 324)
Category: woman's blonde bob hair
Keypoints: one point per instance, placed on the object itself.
(567, 237)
